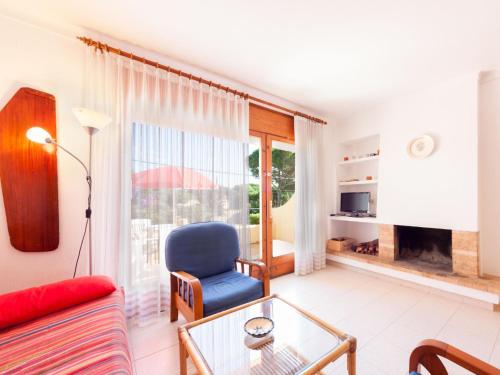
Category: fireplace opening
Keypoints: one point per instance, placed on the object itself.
(426, 248)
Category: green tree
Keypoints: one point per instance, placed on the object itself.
(254, 202)
(283, 174)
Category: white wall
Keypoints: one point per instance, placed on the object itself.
(489, 171)
(284, 221)
(42, 59)
(440, 191)
(330, 155)
(36, 58)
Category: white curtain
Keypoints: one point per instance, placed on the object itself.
(310, 214)
(176, 152)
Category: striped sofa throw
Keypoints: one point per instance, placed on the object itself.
(90, 338)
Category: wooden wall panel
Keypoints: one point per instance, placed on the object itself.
(28, 172)
(267, 121)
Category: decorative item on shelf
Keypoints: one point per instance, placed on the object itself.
(354, 157)
(259, 326)
(369, 178)
(346, 158)
(378, 152)
(421, 147)
(339, 244)
(92, 121)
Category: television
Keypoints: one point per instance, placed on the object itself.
(355, 202)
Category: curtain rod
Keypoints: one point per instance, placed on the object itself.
(105, 47)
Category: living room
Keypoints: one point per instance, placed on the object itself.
(341, 159)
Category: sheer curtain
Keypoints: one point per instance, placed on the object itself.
(176, 152)
(309, 220)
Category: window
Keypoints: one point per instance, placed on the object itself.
(180, 178)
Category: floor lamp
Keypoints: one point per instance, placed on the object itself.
(92, 121)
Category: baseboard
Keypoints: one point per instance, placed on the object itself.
(471, 293)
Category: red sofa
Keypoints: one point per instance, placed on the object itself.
(75, 326)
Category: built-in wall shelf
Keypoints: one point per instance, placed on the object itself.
(366, 220)
(362, 182)
(360, 160)
(359, 174)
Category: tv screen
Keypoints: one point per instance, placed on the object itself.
(354, 202)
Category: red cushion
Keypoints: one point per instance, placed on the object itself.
(32, 303)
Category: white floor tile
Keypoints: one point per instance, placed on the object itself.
(403, 337)
(154, 338)
(478, 344)
(162, 362)
(475, 319)
(429, 315)
(495, 355)
(385, 357)
(363, 367)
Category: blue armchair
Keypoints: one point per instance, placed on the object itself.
(203, 261)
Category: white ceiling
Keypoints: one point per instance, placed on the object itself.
(332, 56)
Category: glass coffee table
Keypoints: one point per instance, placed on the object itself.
(299, 343)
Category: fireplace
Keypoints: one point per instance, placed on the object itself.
(426, 248)
(463, 251)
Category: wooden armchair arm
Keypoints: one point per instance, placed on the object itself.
(187, 296)
(262, 274)
(427, 352)
(187, 277)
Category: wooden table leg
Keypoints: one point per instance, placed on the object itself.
(182, 357)
(351, 356)
(351, 363)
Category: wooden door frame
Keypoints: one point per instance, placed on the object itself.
(285, 263)
(263, 192)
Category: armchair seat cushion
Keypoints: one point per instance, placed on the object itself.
(228, 289)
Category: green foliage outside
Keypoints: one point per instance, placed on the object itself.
(254, 219)
(283, 175)
(254, 203)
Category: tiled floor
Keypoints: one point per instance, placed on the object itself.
(388, 319)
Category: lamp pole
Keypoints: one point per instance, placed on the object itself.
(88, 178)
(91, 132)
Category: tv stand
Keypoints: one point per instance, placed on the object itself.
(355, 219)
(353, 214)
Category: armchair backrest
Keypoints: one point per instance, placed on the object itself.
(202, 249)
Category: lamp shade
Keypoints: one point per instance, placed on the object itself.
(89, 118)
(38, 135)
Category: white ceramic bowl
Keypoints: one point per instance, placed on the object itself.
(259, 327)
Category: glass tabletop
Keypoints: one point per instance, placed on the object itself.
(295, 343)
